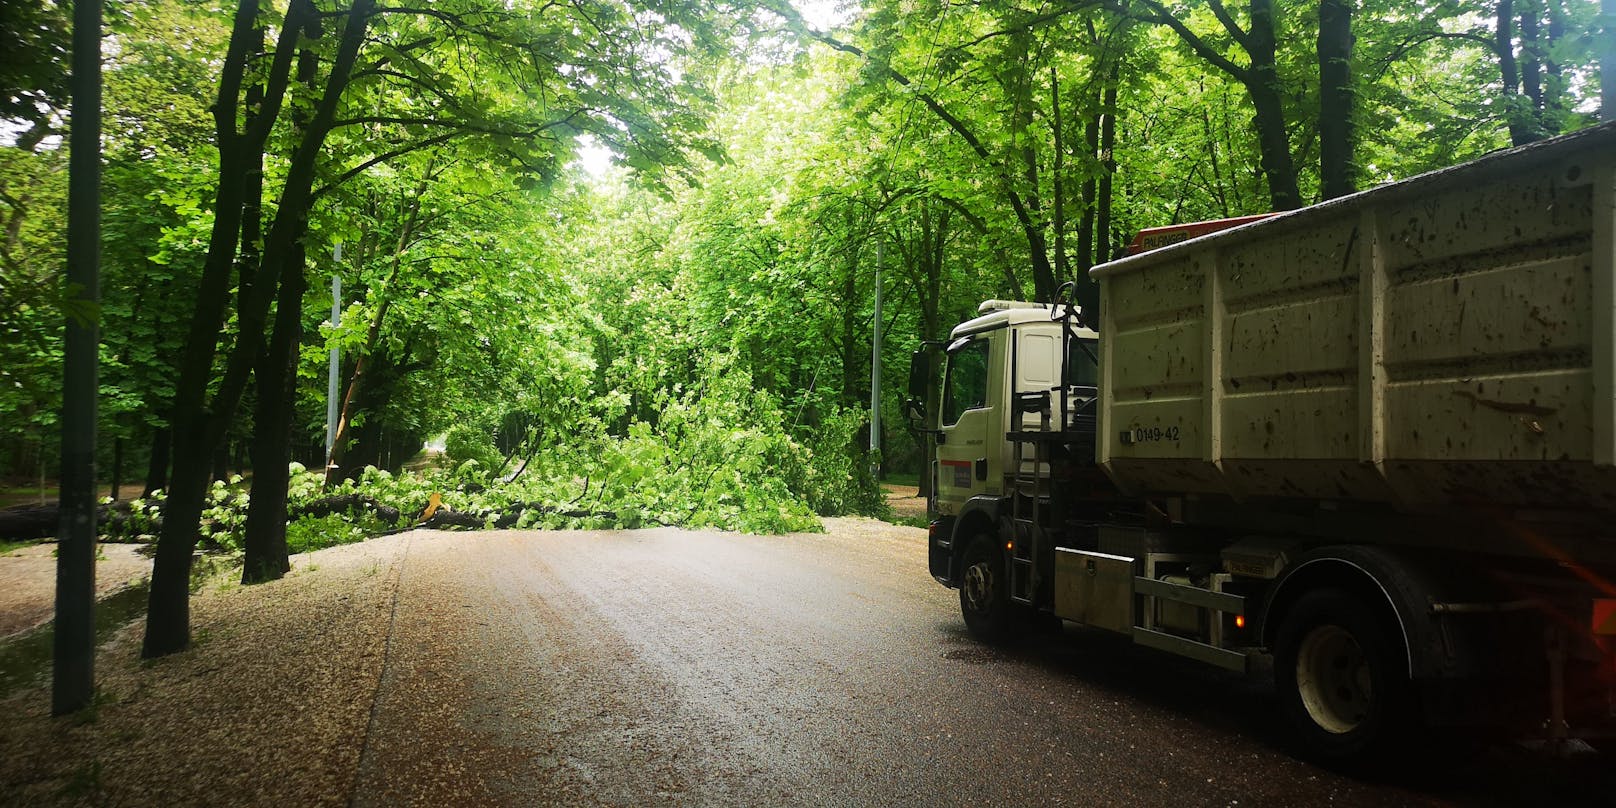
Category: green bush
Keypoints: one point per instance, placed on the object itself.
(319, 532)
(466, 443)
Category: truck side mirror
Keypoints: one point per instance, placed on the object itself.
(919, 373)
(915, 410)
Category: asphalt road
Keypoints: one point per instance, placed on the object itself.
(689, 668)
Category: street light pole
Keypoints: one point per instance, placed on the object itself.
(875, 370)
(336, 356)
(73, 671)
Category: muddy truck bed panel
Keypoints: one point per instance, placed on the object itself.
(1438, 343)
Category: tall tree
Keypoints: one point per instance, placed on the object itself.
(204, 423)
(1260, 77)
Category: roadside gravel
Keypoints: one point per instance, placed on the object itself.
(28, 581)
(268, 707)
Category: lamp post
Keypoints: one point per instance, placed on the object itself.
(336, 357)
(875, 370)
(73, 671)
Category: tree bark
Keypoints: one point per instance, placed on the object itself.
(1085, 229)
(1532, 63)
(264, 543)
(1087, 291)
(117, 466)
(340, 438)
(931, 328)
(1063, 264)
(157, 466)
(264, 550)
(1269, 109)
(1515, 113)
(1336, 99)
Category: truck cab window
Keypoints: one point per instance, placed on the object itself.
(1082, 366)
(967, 384)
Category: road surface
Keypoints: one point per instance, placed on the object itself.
(698, 668)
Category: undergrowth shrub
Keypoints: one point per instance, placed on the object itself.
(469, 443)
(319, 532)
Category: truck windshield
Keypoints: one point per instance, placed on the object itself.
(1082, 366)
(966, 386)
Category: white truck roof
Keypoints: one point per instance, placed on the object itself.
(1004, 313)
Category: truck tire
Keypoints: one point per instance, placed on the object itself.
(1342, 677)
(984, 593)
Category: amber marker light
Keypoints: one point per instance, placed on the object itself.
(1009, 545)
(1239, 621)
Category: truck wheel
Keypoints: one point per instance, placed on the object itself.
(984, 593)
(1342, 678)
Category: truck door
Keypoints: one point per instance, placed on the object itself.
(967, 420)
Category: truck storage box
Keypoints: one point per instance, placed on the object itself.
(1441, 341)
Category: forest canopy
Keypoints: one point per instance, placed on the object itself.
(620, 258)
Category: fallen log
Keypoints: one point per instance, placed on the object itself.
(442, 517)
(30, 522)
(343, 503)
(35, 522)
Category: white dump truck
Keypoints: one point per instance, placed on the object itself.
(1373, 440)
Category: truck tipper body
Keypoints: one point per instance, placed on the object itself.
(1373, 440)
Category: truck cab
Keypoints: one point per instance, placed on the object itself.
(1003, 374)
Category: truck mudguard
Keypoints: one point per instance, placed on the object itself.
(1403, 584)
(980, 514)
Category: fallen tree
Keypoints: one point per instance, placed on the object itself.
(36, 522)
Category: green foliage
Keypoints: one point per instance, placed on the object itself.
(717, 456)
(836, 477)
(137, 522)
(472, 448)
(225, 514)
(319, 532)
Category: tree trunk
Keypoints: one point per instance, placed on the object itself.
(931, 328)
(1515, 108)
(1261, 80)
(1045, 280)
(1085, 231)
(1269, 109)
(265, 554)
(1336, 147)
(157, 465)
(264, 534)
(1087, 292)
(1063, 264)
(221, 461)
(340, 437)
(168, 611)
(1103, 237)
(1532, 64)
(117, 466)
